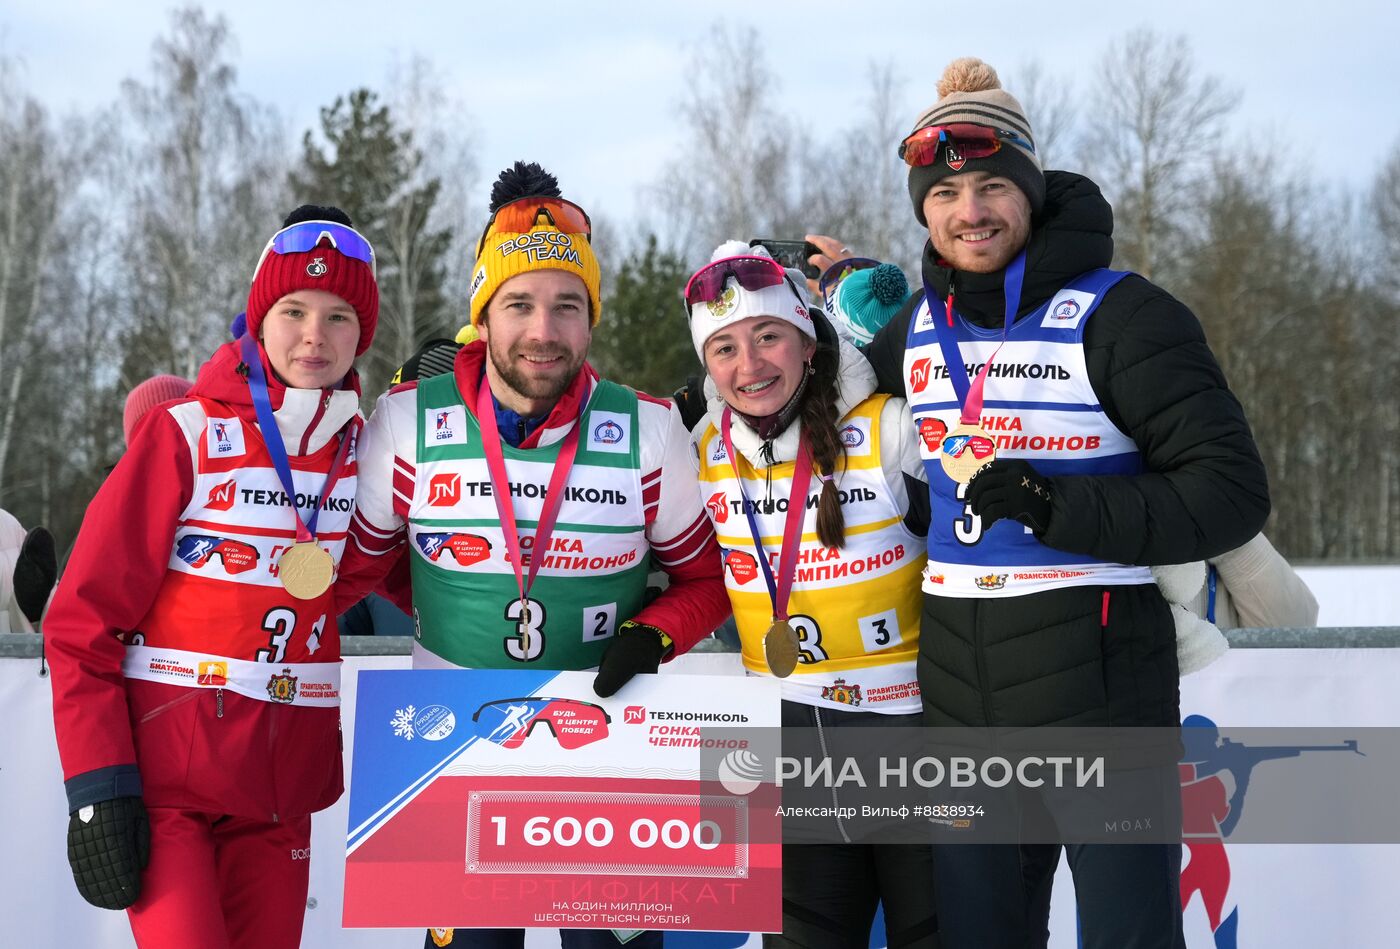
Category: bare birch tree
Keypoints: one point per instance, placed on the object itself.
(204, 190)
(364, 161)
(33, 178)
(448, 140)
(735, 174)
(1157, 123)
(1049, 105)
(1385, 199)
(856, 187)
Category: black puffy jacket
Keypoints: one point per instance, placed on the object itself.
(1095, 655)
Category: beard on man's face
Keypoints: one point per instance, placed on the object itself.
(551, 387)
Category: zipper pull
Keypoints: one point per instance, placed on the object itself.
(218, 703)
(1103, 615)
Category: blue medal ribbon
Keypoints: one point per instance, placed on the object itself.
(969, 393)
(272, 438)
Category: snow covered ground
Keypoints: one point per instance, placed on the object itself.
(1355, 595)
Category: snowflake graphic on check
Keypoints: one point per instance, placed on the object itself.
(402, 722)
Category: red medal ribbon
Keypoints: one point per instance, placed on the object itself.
(500, 485)
(971, 399)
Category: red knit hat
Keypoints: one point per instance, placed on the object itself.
(147, 395)
(323, 267)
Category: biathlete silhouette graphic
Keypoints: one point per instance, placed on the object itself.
(1210, 811)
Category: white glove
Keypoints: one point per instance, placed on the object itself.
(1198, 643)
(1180, 582)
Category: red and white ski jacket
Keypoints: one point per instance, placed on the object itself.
(182, 670)
(681, 537)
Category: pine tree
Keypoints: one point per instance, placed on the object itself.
(643, 339)
(364, 164)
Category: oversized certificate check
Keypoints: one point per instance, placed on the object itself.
(483, 798)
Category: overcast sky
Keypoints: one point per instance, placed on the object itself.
(591, 89)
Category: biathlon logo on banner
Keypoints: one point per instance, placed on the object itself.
(1211, 808)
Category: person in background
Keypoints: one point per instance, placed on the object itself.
(1248, 587)
(147, 395)
(192, 639)
(28, 570)
(863, 300)
(795, 444)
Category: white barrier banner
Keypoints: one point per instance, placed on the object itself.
(1274, 895)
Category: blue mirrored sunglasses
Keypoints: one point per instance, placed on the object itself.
(305, 235)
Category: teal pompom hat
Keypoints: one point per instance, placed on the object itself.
(868, 299)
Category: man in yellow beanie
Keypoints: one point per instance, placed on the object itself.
(597, 476)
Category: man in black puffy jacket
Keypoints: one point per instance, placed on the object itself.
(1092, 437)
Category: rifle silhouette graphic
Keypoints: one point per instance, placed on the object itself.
(1240, 760)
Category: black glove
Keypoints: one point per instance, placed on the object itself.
(36, 569)
(1010, 488)
(636, 648)
(109, 844)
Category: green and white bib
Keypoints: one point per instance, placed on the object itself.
(466, 603)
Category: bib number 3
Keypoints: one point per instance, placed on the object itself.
(967, 528)
(528, 617)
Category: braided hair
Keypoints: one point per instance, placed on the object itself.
(819, 420)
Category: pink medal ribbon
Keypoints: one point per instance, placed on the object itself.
(505, 508)
(779, 589)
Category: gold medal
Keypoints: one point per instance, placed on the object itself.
(965, 450)
(780, 648)
(306, 571)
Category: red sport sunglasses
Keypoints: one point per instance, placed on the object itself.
(964, 139)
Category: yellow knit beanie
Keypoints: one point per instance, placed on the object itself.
(546, 245)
